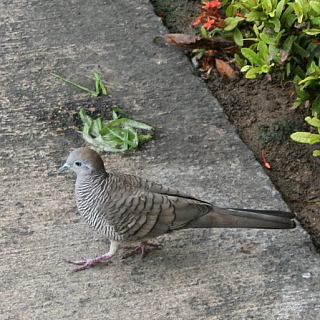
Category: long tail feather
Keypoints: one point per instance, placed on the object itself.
(245, 218)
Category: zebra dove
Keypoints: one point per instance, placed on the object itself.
(128, 209)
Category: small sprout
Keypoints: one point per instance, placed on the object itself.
(100, 88)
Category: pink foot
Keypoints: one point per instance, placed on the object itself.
(142, 247)
(86, 263)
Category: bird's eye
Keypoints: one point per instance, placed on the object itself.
(78, 163)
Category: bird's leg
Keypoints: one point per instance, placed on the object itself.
(141, 247)
(85, 263)
(91, 262)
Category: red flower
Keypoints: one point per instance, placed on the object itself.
(200, 19)
(210, 17)
(215, 4)
(210, 23)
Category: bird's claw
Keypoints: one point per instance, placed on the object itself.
(86, 263)
(142, 247)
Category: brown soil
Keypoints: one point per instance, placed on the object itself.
(262, 112)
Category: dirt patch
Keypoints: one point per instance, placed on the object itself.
(261, 110)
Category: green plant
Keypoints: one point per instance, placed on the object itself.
(259, 60)
(271, 34)
(308, 137)
(100, 88)
(274, 34)
(310, 83)
(285, 27)
(118, 135)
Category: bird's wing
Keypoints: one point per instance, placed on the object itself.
(144, 209)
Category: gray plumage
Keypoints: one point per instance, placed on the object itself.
(128, 209)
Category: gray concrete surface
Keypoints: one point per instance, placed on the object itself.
(199, 274)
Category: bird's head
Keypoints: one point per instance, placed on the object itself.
(83, 161)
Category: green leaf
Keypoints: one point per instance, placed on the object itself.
(276, 22)
(297, 103)
(86, 129)
(115, 115)
(231, 10)
(315, 107)
(290, 20)
(268, 7)
(85, 119)
(266, 68)
(263, 51)
(240, 62)
(280, 8)
(265, 38)
(237, 37)
(312, 32)
(256, 30)
(76, 85)
(256, 16)
(309, 79)
(145, 137)
(299, 50)
(287, 45)
(279, 36)
(96, 127)
(302, 94)
(316, 153)
(117, 135)
(124, 138)
(315, 21)
(131, 123)
(245, 68)
(298, 10)
(98, 83)
(274, 53)
(287, 16)
(287, 70)
(313, 69)
(118, 113)
(251, 56)
(232, 22)
(204, 32)
(305, 137)
(315, 7)
(252, 73)
(314, 121)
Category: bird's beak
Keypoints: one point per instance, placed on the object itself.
(64, 167)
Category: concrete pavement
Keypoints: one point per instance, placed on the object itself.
(199, 274)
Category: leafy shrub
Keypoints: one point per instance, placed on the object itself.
(272, 34)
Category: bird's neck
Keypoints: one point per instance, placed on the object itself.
(91, 181)
(90, 191)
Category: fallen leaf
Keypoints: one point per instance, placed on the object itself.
(190, 42)
(184, 41)
(225, 69)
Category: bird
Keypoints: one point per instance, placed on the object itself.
(130, 210)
